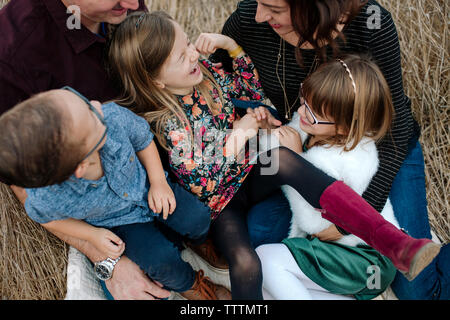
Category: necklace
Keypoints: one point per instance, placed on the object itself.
(287, 106)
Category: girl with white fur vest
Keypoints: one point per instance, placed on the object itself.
(336, 130)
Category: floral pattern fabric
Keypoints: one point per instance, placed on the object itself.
(196, 153)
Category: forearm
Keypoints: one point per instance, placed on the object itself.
(81, 245)
(235, 143)
(72, 228)
(151, 161)
(85, 247)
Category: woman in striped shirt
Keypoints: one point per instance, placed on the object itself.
(287, 40)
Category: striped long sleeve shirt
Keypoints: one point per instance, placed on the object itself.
(365, 34)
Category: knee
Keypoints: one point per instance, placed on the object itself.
(246, 264)
(265, 255)
(199, 221)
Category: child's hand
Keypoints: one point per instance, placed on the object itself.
(108, 242)
(161, 198)
(248, 124)
(289, 138)
(265, 119)
(208, 43)
(329, 234)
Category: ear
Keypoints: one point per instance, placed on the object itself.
(80, 171)
(159, 84)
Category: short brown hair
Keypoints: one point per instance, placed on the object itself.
(367, 113)
(34, 144)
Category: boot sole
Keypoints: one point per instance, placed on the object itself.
(422, 259)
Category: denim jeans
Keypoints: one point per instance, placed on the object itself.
(408, 197)
(154, 248)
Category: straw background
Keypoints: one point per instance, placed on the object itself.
(33, 262)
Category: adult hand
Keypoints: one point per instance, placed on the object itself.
(129, 282)
(265, 119)
(289, 138)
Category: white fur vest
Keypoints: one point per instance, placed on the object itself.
(355, 168)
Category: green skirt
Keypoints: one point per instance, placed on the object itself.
(358, 271)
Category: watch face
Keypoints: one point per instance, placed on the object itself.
(102, 271)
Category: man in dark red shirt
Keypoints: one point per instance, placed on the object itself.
(47, 44)
(44, 47)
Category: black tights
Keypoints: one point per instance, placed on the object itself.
(229, 230)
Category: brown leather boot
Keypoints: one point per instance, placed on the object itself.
(205, 289)
(208, 253)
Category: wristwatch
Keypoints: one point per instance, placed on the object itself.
(104, 269)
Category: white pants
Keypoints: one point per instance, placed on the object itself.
(284, 280)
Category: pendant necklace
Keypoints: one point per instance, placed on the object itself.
(287, 105)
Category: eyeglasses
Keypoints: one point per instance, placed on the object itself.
(97, 114)
(310, 116)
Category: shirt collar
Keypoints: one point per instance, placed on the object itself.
(79, 39)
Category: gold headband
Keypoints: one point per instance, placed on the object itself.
(349, 73)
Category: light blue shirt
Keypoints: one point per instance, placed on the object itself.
(120, 196)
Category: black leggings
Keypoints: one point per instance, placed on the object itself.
(229, 231)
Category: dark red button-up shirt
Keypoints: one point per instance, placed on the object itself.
(39, 53)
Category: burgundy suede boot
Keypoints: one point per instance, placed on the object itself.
(348, 210)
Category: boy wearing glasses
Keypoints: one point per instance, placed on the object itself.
(93, 172)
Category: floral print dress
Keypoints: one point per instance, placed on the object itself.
(196, 153)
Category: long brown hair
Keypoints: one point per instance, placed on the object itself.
(316, 22)
(139, 47)
(367, 113)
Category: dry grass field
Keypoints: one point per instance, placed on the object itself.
(33, 263)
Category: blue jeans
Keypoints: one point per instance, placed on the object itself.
(154, 248)
(408, 197)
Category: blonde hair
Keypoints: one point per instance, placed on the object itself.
(139, 47)
(353, 92)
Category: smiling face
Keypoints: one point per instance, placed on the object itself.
(277, 14)
(181, 70)
(320, 130)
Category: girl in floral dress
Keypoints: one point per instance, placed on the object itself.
(187, 101)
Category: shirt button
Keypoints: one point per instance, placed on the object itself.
(94, 185)
(125, 195)
(131, 158)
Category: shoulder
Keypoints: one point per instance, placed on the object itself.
(243, 18)
(21, 22)
(372, 19)
(247, 10)
(116, 114)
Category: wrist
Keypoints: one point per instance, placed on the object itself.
(157, 180)
(104, 269)
(235, 51)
